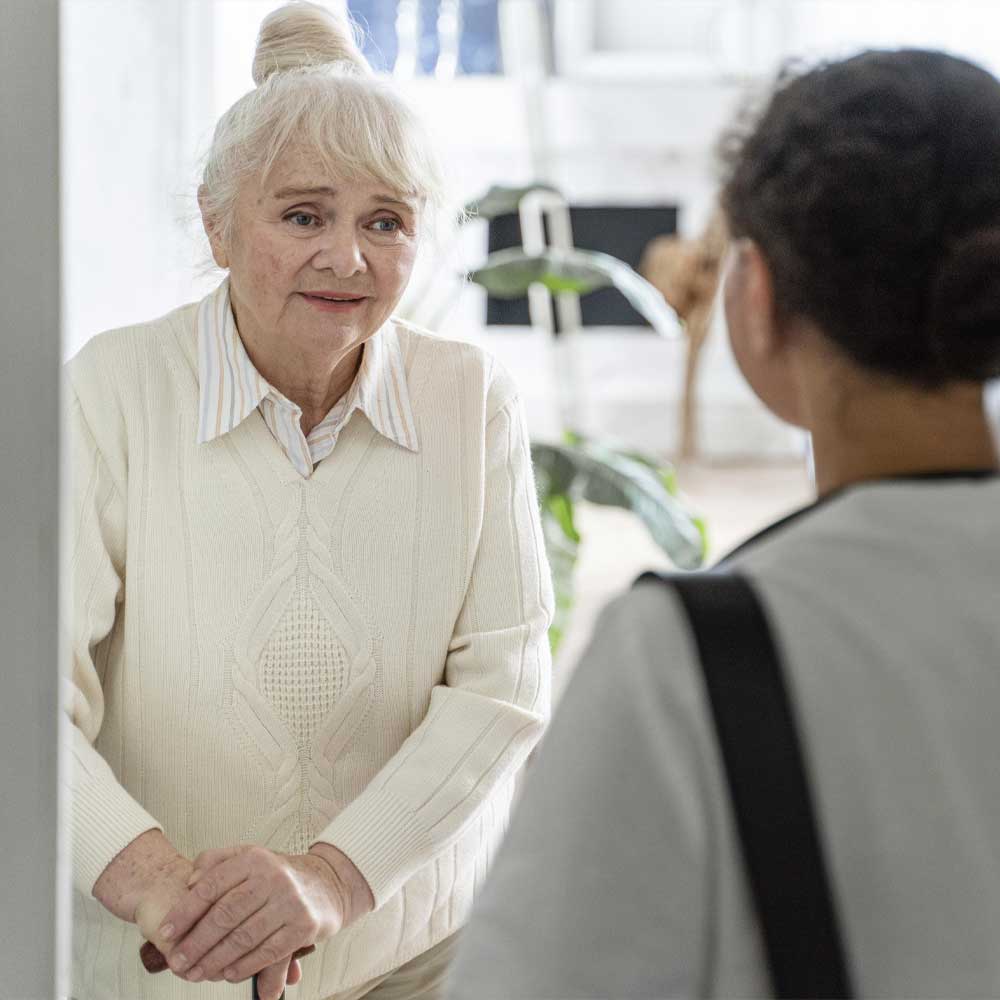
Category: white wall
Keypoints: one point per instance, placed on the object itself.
(136, 86)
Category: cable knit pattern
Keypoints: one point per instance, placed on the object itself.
(358, 656)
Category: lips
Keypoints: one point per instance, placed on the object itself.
(334, 302)
(333, 296)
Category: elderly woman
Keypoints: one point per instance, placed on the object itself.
(310, 593)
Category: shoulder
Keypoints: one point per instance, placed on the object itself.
(116, 374)
(450, 364)
(120, 359)
(877, 528)
(868, 570)
(642, 660)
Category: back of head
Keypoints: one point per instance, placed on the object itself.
(872, 187)
(316, 91)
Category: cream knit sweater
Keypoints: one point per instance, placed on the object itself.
(359, 657)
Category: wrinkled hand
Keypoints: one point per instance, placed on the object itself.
(163, 891)
(251, 909)
(168, 889)
(153, 961)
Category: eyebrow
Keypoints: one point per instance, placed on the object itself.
(301, 192)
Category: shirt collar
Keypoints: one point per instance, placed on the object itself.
(231, 388)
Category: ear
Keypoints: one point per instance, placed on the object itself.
(212, 232)
(759, 341)
(749, 302)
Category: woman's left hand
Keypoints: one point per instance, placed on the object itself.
(251, 907)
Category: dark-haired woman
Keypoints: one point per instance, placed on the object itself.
(863, 304)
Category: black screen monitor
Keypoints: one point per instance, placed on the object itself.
(622, 231)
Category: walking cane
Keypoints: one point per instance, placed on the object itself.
(301, 953)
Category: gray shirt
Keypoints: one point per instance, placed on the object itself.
(621, 875)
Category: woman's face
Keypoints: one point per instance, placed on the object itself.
(317, 263)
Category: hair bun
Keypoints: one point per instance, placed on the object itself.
(302, 34)
(964, 315)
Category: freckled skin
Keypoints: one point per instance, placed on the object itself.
(353, 237)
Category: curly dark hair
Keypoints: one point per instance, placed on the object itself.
(872, 187)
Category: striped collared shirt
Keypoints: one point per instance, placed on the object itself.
(231, 388)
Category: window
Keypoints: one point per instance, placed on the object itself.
(429, 37)
(713, 39)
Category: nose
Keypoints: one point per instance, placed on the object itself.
(340, 252)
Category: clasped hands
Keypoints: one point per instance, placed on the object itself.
(245, 910)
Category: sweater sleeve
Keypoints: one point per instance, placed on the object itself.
(490, 711)
(105, 817)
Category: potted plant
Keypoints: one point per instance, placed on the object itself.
(549, 270)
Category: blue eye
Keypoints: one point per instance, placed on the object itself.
(393, 225)
(294, 216)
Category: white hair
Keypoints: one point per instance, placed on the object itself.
(316, 91)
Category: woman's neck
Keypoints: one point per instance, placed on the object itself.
(893, 429)
(316, 392)
(314, 384)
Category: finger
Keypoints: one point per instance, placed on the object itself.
(210, 858)
(239, 942)
(215, 883)
(224, 916)
(278, 946)
(271, 981)
(295, 966)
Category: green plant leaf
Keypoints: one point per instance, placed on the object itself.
(501, 200)
(508, 274)
(702, 525)
(666, 472)
(597, 473)
(562, 510)
(554, 470)
(562, 544)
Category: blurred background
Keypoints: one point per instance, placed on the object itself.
(615, 104)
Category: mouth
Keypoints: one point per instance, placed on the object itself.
(333, 301)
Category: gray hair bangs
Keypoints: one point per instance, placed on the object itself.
(357, 126)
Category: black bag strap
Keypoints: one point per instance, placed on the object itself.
(766, 773)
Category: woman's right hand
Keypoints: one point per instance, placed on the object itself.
(144, 882)
(164, 891)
